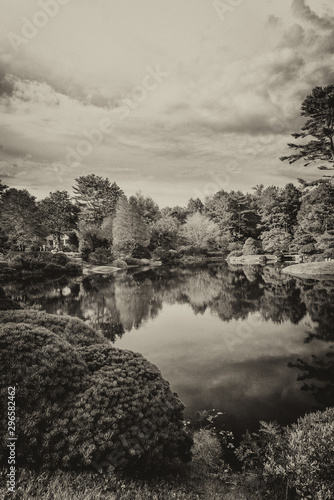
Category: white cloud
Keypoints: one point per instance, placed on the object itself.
(233, 92)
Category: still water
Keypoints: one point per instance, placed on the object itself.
(247, 341)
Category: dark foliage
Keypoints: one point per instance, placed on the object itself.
(81, 402)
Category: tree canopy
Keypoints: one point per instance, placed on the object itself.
(96, 197)
(318, 109)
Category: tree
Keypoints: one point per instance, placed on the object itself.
(234, 213)
(276, 239)
(96, 197)
(199, 231)
(146, 206)
(20, 219)
(318, 108)
(129, 227)
(59, 213)
(3, 188)
(165, 233)
(316, 214)
(278, 207)
(195, 206)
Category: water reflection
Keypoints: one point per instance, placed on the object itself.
(249, 341)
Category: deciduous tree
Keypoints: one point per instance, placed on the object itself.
(59, 213)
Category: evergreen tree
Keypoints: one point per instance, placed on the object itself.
(318, 108)
(96, 197)
(146, 206)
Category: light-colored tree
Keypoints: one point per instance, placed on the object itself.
(199, 231)
(129, 227)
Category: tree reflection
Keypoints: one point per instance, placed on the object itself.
(318, 371)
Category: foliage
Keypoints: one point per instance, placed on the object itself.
(129, 227)
(195, 206)
(101, 256)
(165, 233)
(141, 252)
(252, 247)
(147, 207)
(20, 219)
(234, 212)
(91, 237)
(84, 403)
(96, 197)
(199, 231)
(276, 240)
(278, 207)
(318, 108)
(299, 457)
(59, 214)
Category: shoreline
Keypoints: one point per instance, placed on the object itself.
(311, 270)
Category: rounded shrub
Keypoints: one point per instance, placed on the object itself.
(80, 402)
(100, 256)
(141, 252)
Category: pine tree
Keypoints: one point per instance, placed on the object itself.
(96, 198)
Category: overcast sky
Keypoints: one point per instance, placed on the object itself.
(176, 98)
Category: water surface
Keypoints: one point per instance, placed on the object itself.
(233, 339)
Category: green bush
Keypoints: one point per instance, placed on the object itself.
(101, 256)
(252, 247)
(297, 458)
(141, 252)
(80, 402)
(59, 258)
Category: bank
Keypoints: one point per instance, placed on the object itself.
(312, 270)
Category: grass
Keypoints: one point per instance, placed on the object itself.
(207, 477)
(186, 485)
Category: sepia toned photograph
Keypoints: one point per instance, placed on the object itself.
(166, 249)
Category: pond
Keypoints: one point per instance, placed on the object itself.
(249, 342)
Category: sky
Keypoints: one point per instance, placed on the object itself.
(174, 98)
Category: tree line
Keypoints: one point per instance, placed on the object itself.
(100, 216)
(99, 219)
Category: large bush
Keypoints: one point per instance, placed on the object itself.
(80, 402)
(252, 247)
(298, 458)
(46, 263)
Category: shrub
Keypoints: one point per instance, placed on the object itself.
(164, 255)
(207, 452)
(81, 402)
(299, 457)
(53, 269)
(141, 252)
(191, 250)
(73, 268)
(252, 247)
(101, 256)
(60, 258)
(120, 263)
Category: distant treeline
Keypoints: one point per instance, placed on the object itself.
(100, 220)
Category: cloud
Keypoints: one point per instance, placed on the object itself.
(303, 10)
(274, 21)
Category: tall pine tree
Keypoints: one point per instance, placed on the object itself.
(96, 198)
